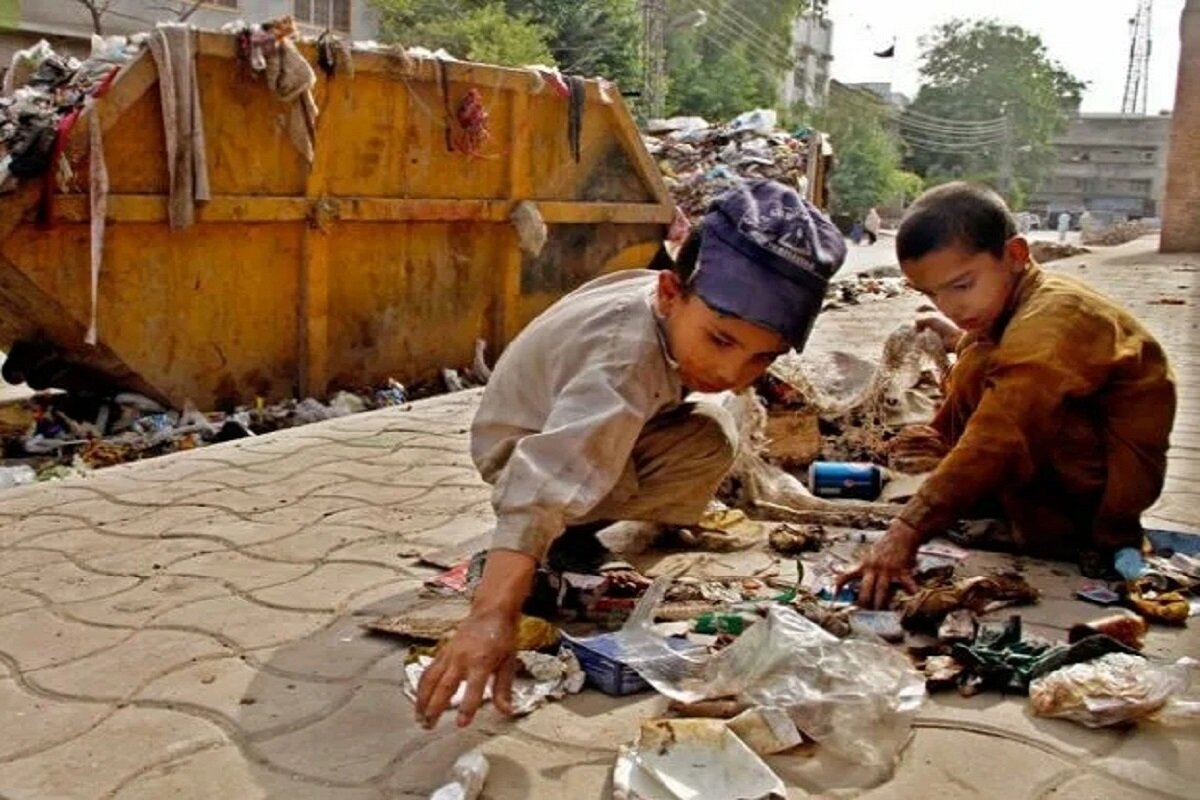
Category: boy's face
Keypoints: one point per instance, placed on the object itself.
(972, 289)
(715, 352)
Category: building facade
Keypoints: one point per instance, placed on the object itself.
(1112, 165)
(1181, 212)
(812, 54)
(885, 93)
(68, 25)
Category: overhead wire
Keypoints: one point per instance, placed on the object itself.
(917, 129)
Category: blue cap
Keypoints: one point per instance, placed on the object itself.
(766, 256)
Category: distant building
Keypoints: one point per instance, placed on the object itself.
(884, 92)
(812, 53)
(1110, 164)
(68, 25)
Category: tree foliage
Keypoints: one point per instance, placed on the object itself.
(867, 153)
(984, 70)
(590, 37)
(476, 30)
(733, 62)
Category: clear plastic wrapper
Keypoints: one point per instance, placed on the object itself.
(856, 697)
(1117, 689)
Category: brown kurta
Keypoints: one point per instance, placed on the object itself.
(1061, 415)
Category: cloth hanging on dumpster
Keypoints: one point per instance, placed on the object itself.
(174, 50)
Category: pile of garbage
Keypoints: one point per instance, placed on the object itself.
(43, 94)
(56, 435)
(699, 161)
(1045, 252)
(850, 407)
(1116, 234)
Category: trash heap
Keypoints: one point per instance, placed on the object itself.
(56, 435)
(844, 408)
(699, 161)
(1115, 234)
(1045, 252)
(43, 94)
(774, 667)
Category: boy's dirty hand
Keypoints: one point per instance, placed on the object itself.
(484, 645)
(950, 333)
(890, 561)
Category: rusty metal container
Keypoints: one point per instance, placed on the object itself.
(388, 256)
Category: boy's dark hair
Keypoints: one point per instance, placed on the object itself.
(965, 215)
(684, 264)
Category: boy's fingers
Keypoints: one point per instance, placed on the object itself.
(442, 695)
(883, 585)
(866, 592)
(909, 583)
(429, 682)
(845, 577)
(477, 682)
(502, 688)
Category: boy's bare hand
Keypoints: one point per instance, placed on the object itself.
(950, 333)
(484, 645)
(890, 561)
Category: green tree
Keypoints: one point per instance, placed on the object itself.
(476, 30)
(590, 37)
(984, 70)
(867, 153)
(733, 62)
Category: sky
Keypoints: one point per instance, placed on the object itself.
(1089, 37)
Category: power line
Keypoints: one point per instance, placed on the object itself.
(726, 27)
(750, 24)
(721, 15)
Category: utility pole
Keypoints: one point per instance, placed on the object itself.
(1006, 158)
(654, 56)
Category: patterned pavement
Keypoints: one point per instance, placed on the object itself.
(189, 627)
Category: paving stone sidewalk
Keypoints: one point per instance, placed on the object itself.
(189, 627)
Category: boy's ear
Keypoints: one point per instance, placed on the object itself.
(670, 286)
(1017, 250)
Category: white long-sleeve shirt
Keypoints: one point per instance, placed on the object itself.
(565, 404)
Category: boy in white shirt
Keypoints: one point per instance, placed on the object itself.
(584, 422)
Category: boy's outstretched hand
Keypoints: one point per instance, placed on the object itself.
(890, 561)
(483, 646)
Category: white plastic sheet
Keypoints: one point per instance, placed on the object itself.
(856, 697)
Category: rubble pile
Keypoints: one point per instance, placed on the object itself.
(699, 161)
(1045, 252)
(1115, 234)
(859, 406)
(57, 435)
(43, 93)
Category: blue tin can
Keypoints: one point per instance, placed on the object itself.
(846, 481)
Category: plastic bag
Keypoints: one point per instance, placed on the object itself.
(469, 775)
(1119, 688)
(761, 120)
(856, 697)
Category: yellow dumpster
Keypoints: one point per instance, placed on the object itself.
(386, 257)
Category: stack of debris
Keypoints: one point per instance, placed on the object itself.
(1045, 252)
(844, 408)
(699, 161)
(57, 434)
(43, 93)
(1116, 234)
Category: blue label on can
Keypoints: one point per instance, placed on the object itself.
(846, 480)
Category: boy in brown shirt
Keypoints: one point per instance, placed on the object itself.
(1057, 413)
